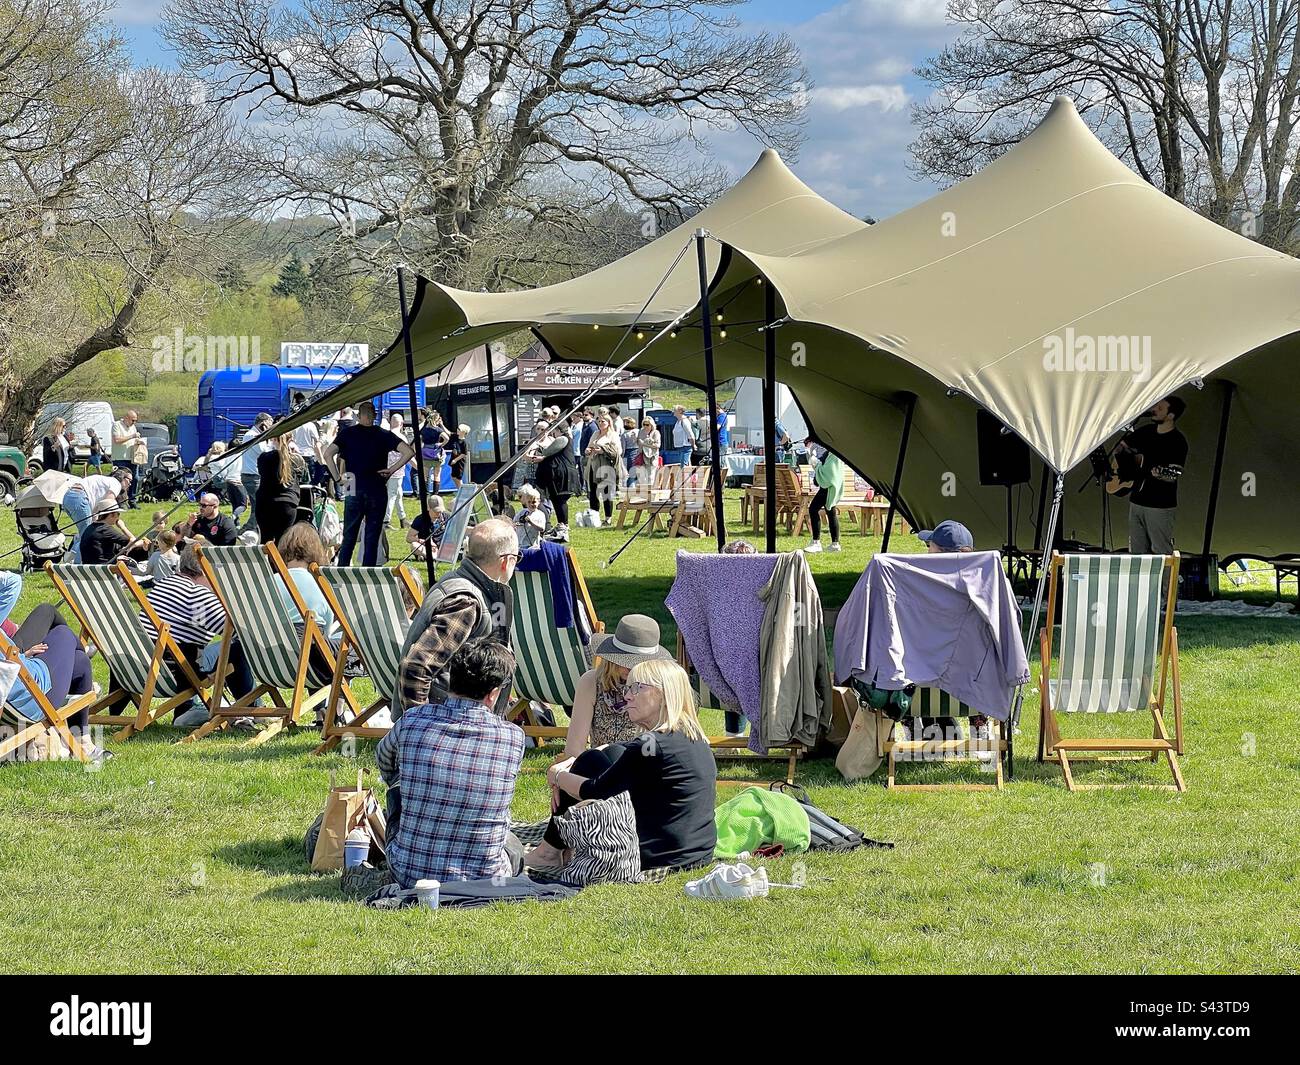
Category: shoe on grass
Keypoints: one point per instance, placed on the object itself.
(737, 881)
(835, 547)
(814, 547)
(192, 718)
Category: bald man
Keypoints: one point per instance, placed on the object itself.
(470, 602)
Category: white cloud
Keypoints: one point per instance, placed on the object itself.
(844, 97)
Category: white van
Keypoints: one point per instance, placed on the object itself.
(81, 418)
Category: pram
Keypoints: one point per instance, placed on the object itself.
(164, 480)
(42, 540)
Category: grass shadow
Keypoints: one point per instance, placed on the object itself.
(275, 857)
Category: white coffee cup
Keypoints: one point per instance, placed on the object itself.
(427, 892)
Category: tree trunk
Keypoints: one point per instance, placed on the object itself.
(19, 406)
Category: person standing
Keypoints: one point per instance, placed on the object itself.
(1160, 450)
(396, 426)
(683, 439)
(433, 444)
(557, 474)
(604, 466)
(459, 450)
(279, 480)
(724, 429)
(96, 457)
(828, 476)
(126, 438)
(248, 475)
(629, 450)
(307, 441)
(364, 449)
(56, 451)
(648, 441)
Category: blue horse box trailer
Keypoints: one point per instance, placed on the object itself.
(230, 399)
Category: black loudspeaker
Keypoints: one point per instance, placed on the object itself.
(1004, 457)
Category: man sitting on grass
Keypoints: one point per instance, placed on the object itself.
(455, 761)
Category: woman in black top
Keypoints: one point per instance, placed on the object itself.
(458, 446)
(557, 473)
(280, 471)
(668, 772)
(56, 452)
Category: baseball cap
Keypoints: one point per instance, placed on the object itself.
(948, 536)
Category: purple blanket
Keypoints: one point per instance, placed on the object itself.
(715, 603)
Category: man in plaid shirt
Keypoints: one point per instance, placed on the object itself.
(455, 761)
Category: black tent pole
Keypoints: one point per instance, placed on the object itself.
(1228, 389)
(415, 407)
(769, 416)
(711, 389)
(496, 433)
(898, 471)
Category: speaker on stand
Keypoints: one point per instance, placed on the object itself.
(1003, 462)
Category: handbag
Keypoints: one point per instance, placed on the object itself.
(602, 835)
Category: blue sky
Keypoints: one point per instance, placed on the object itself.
(859, 54)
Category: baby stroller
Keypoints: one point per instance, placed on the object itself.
(42, 540)
(164, 480)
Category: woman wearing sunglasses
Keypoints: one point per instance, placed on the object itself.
(668, 772)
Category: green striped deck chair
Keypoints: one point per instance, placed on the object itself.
(107, 602)
(248, 580)
(548, 661)
(17, 731)
(734, 748)
(1117, 653)
(371, 610)
(935, 703)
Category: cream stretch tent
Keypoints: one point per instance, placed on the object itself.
(956, 302)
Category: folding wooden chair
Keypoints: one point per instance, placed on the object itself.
(371, 611)
(549, 661)
(1113, 640)
(107, 601)
(692, 505)
(54, 721)
(932, 703)
(247, 579)
(735, 748)
(659, 501)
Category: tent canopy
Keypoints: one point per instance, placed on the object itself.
(1054, 288)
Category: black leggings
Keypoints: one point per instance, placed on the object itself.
(589, 764)
(561, 505)
(815, 509)
(69, 667)
(594, 493)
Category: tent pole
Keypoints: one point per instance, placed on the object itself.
(711, 390)
(769, 417)
(1228, 389)
(898, 471)
(415, 407)
(1057, 495)
(496, 432)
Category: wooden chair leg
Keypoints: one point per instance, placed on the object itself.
(1065, 768)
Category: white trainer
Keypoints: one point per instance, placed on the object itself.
(834, 547)
(813, 547)
(737, 881)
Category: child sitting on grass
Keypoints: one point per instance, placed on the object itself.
(164, 559)
(429, 527)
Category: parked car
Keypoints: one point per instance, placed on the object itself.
(13, 468)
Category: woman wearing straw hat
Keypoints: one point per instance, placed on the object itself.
(599, 715)
(668, 770)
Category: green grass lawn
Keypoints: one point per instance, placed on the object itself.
(190, 859)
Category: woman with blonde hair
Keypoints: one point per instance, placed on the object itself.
(648, 441)
(668, 770)
(280, 472)
(604, 466)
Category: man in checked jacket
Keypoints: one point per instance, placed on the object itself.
(469, 603)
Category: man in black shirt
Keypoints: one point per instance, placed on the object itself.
(364, 449)
(218, 529)
(106, 537)
(1160, 451)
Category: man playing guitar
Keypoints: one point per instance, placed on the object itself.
(1146, 466)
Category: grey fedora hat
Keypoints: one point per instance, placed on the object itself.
(636, 639)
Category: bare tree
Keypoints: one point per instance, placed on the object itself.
(112, 183)
(1200, 97)
(462, 135)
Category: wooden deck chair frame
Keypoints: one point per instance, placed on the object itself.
(693, 499)
(667, 479)
(1053, 743)
(736, 748)
(335, 728)
(281, 714)
(521, 711)
(947, 750)
(54, 720)
(187, 683)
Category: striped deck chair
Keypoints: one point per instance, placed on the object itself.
(932, 703)
(735, 748)
(54, 720)
(548, 661)
(371, 610)
(1113, 642)
(107, 601)
(248, 579)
